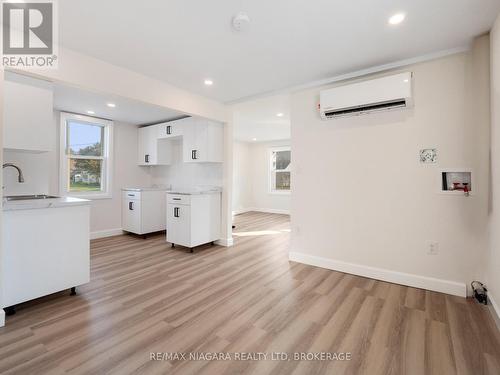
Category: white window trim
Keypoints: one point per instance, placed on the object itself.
(107, 161)
(270, 170)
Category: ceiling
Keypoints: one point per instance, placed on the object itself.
(288, 42)
(258, 121)
(72, 99)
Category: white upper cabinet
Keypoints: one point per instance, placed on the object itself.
(172, 129)
(151, 150)
(203, 141)
(29, 123)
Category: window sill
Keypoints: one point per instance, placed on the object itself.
(280, 192)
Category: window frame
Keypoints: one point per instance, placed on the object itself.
(107, 157)
(271, 170)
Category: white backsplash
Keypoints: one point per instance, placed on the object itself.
(186, 175)
(39, 170)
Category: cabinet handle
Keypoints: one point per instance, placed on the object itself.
(176, 211)
(146, 158)
(176, 199)
(169, 129)
(194, 154)
(131, 206)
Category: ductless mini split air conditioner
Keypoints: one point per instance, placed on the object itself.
(380, 94)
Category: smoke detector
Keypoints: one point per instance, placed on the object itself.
(241, 22)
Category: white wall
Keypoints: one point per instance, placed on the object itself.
(251, 178)
(362, 202)
(37, 170)
(493, 261)
(242, 177)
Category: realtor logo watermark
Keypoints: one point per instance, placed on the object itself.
(29, 34)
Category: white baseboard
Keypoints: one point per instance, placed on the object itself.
(266, 210)
(227, 242)
(417, 281)
(2, 318)
(495, 310)
(105, 233)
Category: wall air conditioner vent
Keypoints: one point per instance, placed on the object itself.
(380, 94)
(360, 110)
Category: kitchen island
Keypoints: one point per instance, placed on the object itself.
(46, 247)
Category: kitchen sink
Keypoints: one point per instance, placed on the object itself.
(27, 197)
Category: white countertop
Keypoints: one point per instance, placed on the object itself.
(149, 188)
(30, 204)
(195, 191)
(178, 190)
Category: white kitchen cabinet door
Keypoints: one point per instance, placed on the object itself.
(189, 144)
(45, 250)
(172, 129)
(143, 211)
(179, 224)
(131, 215)
(203, 142)
(28, 114)
(151, 150)
(147, 146)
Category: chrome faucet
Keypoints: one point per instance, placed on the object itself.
(20, 176)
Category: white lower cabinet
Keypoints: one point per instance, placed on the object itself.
(143, 211)
(45, 250)
(193, 219)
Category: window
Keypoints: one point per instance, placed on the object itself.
(86, 150)
(280, 159)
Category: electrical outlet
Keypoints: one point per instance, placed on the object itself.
(433, 248)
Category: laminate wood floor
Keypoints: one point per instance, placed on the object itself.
(145, 297)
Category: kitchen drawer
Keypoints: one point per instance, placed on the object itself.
(178, 199)
(134, 195)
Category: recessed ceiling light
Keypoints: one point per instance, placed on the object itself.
(111, 105)
(397, 18)
(208, 82)
(91, 112)
(254, 139)
(279, 114)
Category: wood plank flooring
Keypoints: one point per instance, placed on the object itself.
(145, 297)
